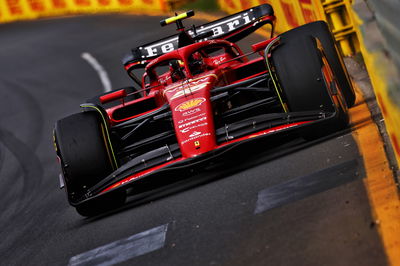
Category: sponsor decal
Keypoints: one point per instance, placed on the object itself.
(192, 103)
(164, 80)
(191, 112)
(219, 60)
(191, 118)
(187, 129)
(195, 137)
(194, 134)
(220, 28)
(192, 122)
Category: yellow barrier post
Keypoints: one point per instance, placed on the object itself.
(293, 13)
(337, 13)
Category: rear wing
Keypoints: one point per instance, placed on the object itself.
(231, 28)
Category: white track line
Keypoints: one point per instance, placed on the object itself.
(123, 249)
(99, 69)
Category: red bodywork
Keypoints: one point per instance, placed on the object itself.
(189, 98)
(198, 97)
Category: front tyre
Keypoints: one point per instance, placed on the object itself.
(84, 154)
(307, 80)
(320, 30)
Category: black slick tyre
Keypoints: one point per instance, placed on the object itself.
(84, 154)
(320, 30)
(298, 65)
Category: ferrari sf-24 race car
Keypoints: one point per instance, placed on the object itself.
(199, 97)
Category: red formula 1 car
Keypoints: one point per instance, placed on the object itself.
(200, 97)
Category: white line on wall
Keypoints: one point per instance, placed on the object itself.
(123, 249)
(105, 80)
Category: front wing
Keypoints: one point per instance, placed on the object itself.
(156, 168)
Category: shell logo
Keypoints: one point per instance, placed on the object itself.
(190, 104)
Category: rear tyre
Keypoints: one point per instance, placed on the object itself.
(84, 154)
(320, 30)
(298, 65)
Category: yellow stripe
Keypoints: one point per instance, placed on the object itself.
(380, 185)
(107, 133)
(173, 19)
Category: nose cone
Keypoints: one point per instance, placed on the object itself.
(192, 116)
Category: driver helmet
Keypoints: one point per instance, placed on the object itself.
(176, 69)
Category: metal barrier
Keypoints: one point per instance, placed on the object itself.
(293, 13)
(379, 35)
(337, 14)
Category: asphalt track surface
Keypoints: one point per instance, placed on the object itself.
(303, 203)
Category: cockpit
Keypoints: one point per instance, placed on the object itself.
(191, 61)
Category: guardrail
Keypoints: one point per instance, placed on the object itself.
(378, 30)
